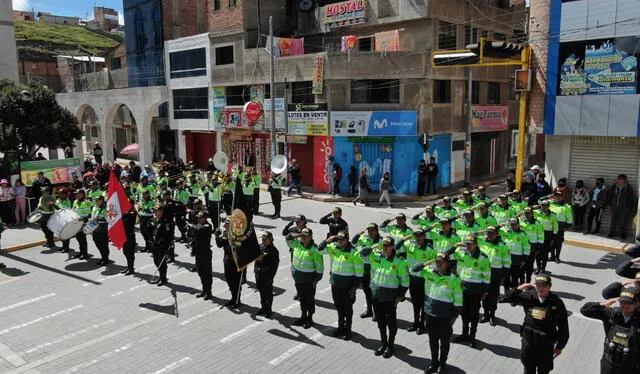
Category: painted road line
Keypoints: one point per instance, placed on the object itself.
(240, 332)
(172, 366)
(10, 356)
(128, 290)
(105, 356)
(101, 280)
(68, 336)
(39, 319)
(25, 302)
(301, 346)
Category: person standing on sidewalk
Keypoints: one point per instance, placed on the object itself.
(294, 170)
(599, 199)
(20, 191)
(621, 205)
(580, 200)
(422, 177)
(336, 178)
(353, 181)
(364, 189)
(385, 183)
(432, 174)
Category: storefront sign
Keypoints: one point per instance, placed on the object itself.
(489, 118)
(374, 123)
(308, 119)
(296, 139)
(219, 102)
(58, 171)
(318, 75)
(253, 111)
(345, 13)
(281, 122)
(231, 117)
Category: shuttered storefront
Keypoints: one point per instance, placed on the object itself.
(605, 157)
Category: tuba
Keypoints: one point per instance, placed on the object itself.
(221, 161)
(278, 164)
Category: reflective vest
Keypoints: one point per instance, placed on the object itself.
(99, 213)
(418, 255)
(214, 193)
(93, 195)
(396, 232)
(442, 212)
(548, 220)
(163, 179)
(306, 264)
(463, 229)
(194, 189)
(516, 241)
(501, 213)
(83, 208)
(485, 199)
(487, 221)
(275, 182)
(443, 293)
(257, 180)
(563, 211)
(462, 205)
(518, 205)
(345, 265)
(442, 241)
(533, 229)
(475, 272)
(425, 223)
(66, 203)
(142, 188)
(387, 276)
(181, 196)
(248, 187)
(498, 254)
(146, 207)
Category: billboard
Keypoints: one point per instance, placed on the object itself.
(345, 13)
(308, 119)
(400, 123)
(489, 118)
(58, 171)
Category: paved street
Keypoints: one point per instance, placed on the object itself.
(60, 315)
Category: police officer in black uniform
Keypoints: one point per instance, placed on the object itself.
(622, 328)
(202, 232)
(545, 330)
(265, 269)
(162, 240)
(335, 222)
(169, 212)
(101, 234)
(129, 248)
(231, 273)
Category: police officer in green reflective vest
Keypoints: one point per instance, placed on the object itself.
(83, 208)
(517, 242)
(247, 189)
(362, 241)
(500, 261)
(100, 235)
(533, 228)
(214, 197)
(427, 220)
(145, 211)
(549, 221)
(347, 269)
(443, 303)
(444, 238)
(397, 231)
(389, 283)
(564, 212)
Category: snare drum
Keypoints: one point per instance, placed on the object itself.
(34, 217)
(90, 227)
(65, 223)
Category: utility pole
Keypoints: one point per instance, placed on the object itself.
(272, 89)
(467, 142)
(522, 124)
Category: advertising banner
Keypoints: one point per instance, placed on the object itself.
(345, 13)
(318, 75)
(219, 103)
(231, 117)
(58, 171)
(489, 118)
(308, 119)
(401, 123)
(281, 123)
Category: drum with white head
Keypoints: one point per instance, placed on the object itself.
(65, 223)
(34, 217)
(90, 227)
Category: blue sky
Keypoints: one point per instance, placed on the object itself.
(74, 8)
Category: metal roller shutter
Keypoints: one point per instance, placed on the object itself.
(593, 157)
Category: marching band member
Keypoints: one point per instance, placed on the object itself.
(83, 208)
(100, 235)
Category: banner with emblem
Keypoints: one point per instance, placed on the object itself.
(242, 235)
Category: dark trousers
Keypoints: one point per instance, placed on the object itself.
(385, 312)
(607, 368)
(232, 276)
(227, 201)
(439, 331)
(336, 187)
(213, 208)
(129, 251)
(344, 306)
(490, 303)
(146, 231)
(6, 212)
(517, 268)
(416, 290)
(276, 200)
(470, 313)
(204, 269)
(264, 284)
(181, 221)
(556, 247)
(352, 189)
(543, 251)
(249, 201)
(82, 242)
(160, 260)
(48, 235)
(101, 241)
(295, 183)
(431, 183)
(65, 244)
(421, 184)
(594, 213)
(578, 216)
(256, 200)
(536, 359)
(527, 270)
(620, 220)
(366, 279)
(307, 298)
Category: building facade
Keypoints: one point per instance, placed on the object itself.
(592, 101)
(9, 57)
(144, 41)
(58, 20)
(106, 18)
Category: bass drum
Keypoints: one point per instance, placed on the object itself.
(65, 224)
(90, 227)
(34, 217)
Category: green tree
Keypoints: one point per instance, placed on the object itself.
(31, 118)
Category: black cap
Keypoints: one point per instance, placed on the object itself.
(628, 295)
(468, 212)
(157, 207)
(470, 239)
(267, 235)
(306, 232)
(444, 221)
(492, 229)
(337, 210)
(545, 202)
(419, 232)
(442, 257)
(202, 214)
(100, 197)
(300, 218)
(543, 278)
(79, 191)
(467, 192)
(388, 240)
(401, 216)
(342, 235)
(372, 226)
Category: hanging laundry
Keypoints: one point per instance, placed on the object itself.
(348, 42)
(387, 41)
(291, 47)
(275, 44)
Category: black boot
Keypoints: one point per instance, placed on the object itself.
(492, 318)
(465, 334)
(485, 317)
(366, 314)
(472, 336)
(389, 351)
(300, 321)
(309, 321)
(383, 343)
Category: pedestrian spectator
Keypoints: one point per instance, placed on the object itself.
(330, 165)
(599, 199)
(580, 200)
(422, 177)
(563, 188)
(36, 187)
(115, 153)
(20, 191)
(97, 153)
(68, 152)
(621, 203)
(76, 183)
(39, 157)
(353, 181)
(7, 198)
(529, 189)
(364, 188)
(294, 170)
(134, 172)
(511, 180)
(385, 183)
(149, 173)
(432, 174)
(535, 169)
(542, 187)
(337, 177)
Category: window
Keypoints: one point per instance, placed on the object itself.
(115, 63)
(375, 91)
(232, 3)
(441, 91)
(493, 93)
(139, 22)
(157, 25)
(447, 34)
(365, 44)
(216, 4)
(514, 143)
(190, 63)
(301, 93)
(239, 95)
(470, 35)
(191, 103)
(475, 92)
(224, 55)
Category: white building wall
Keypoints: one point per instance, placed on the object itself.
(9, 55)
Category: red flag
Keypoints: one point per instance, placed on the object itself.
(117, 203)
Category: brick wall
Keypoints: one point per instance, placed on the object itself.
(538, 37)
(183, 18)
(225, 18)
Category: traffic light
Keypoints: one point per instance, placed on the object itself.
(497, 49)
(484, 53)
(453, 58)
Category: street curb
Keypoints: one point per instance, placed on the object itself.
(27, 245)
(598, 246)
